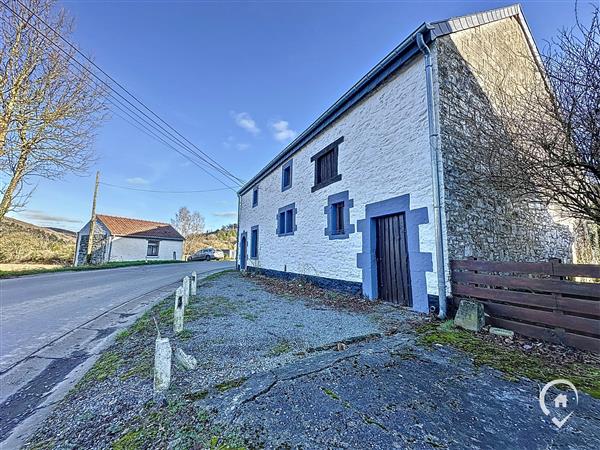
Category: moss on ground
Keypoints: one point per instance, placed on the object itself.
(330, 393)
(105, 367)
(513, 363)
(280, 348)
(230, 384)
(214, 276)
(180, 425)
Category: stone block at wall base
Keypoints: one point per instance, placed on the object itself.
(470, 315)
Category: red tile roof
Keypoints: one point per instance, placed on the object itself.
(122, 226)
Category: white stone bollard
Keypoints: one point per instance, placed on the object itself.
(194, 282)
(178, 311)
(162, 364)
(186, 290)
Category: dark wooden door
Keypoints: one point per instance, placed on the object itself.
(392, 260)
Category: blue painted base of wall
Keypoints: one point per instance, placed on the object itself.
(347, 287)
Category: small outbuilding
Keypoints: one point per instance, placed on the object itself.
(124, 239)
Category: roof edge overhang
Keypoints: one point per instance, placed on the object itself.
(404, 52)
(156, 238)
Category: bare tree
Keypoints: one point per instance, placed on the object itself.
(189, 224)
(49, 109)
(538, 136)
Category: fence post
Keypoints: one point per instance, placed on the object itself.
(178, 311)
(559, 333)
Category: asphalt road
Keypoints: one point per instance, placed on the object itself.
(36, 310)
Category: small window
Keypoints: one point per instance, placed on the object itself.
(254, 242)
(255, 197)
(286, 176)
(338, 216)
(337, 211)
(326, 165)
(152, 248)
(286, 220)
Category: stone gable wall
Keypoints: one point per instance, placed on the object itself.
(487, 223)
(100, 243)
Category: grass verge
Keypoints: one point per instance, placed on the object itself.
(111, 265)
(513, 363)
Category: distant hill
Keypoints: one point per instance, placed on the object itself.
(223, 238)
(22, 242)
(68, 233)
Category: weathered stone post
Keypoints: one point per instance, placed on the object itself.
(186, 290)
(194, 282)
(178, 311)
(162, 364)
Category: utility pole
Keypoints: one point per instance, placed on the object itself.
(93, 221)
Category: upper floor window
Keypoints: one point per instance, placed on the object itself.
(255, 197)
(152, 248)
(254, 242)
(326, 165)
(286, 175)
(286, 220)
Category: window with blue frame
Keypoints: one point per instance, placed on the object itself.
(255, 197)
(286, 220)
(286, 175)
(338, 216)
(254, 242)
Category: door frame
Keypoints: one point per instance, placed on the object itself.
(419, 262)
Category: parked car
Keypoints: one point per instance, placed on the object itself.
(206, 254)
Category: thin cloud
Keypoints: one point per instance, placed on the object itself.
(245, 121)
(138, 181)
(226, 214)
(282, 131)
(41, 216)
(231, 142)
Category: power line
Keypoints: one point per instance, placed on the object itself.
(205, 159)
(217, 166)
(161, 192)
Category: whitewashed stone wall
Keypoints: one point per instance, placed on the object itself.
(385, 154)
(133, 249)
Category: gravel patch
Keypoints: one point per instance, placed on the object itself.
(236, 329)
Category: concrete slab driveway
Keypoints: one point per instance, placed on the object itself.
(52, 323)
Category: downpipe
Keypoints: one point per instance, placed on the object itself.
(433, 147)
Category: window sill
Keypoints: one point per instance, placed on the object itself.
(285, 234)
(285, 188)
(335, 179)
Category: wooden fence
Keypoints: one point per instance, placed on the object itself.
(539, 300)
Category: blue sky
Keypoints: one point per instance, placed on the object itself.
(239, 79)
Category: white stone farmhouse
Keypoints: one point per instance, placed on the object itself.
(124, 239)
(373, 198)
